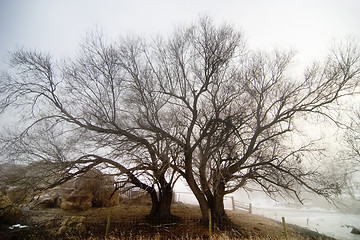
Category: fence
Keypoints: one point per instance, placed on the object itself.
(332, 223)
(229, 201)
(242, 206)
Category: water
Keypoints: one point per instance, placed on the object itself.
(330, 223)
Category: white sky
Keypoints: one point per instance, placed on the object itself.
(56, 26)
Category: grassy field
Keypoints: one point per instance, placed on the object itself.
(127, 221)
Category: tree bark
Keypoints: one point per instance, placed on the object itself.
(214, 202)
(161, 207)
(218, 214)
(206, 199)
(199, 194)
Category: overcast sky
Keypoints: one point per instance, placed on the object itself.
(57, 26)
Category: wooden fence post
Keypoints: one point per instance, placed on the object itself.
(210, 223)
(174, 197)
(250, 208)
(233, 203)
(108, 225)
(284, 225)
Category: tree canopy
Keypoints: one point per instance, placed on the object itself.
(199, 104)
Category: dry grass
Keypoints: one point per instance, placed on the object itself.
(159, 237)
(128, 222)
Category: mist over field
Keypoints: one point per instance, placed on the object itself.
(332, 219)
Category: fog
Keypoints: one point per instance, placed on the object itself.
(316, 213)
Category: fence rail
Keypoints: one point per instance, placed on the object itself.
(243, 206)
(235, 205)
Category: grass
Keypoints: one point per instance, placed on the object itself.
(159, 237)
(127, 221)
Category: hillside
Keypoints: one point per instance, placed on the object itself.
(127, 221)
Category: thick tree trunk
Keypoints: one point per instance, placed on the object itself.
(161, 207)
(218, 214)
(214, 202)
(208, 200)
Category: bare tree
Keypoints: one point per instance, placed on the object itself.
(231, 111)
(349, 156)
(89, 98)
(198, 102)
(258, 148)
(352, 139)
(41, 158)
(251, 141)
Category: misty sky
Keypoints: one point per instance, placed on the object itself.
(57, 26)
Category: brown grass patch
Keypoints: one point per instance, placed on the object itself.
(128, 222)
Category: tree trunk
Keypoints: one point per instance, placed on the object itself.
(220, 219)
(218, 214)
(161, 207)
(214, 202)
(208, 200)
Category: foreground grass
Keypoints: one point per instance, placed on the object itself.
(128, 222)
(159, 237)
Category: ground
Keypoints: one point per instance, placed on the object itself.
(127, 221)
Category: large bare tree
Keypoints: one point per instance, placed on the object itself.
(198, 102)
(88, 107)
(232, 112)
